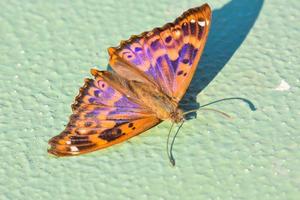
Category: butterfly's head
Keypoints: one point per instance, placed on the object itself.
(177, 115)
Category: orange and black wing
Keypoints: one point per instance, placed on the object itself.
(102, 116)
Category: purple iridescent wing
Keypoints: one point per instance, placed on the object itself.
(102, 116)
(166, 56)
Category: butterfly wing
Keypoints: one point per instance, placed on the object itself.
(102, 116)
(167, 56)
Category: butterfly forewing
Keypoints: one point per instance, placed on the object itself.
(170, 54)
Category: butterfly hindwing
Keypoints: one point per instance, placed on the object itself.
(102, 116)
(168, 55)
(70, 142)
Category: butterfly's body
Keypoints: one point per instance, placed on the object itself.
(151, 73)
(159, 103)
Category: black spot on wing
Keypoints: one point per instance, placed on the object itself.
(168, 39)
(179, 72)
(155, 44)
(185, 28)
(79, 140)
(138, 49)
(97, 92)
(174, 64)
(200, 32)
(111, 134)
(92, 100)
(193, 28)
(185, 61)
(130, 125)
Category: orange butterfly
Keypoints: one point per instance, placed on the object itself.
(151, 73)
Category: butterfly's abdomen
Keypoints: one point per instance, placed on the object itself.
(161, 105)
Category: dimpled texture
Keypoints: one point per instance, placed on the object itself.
(48, 47)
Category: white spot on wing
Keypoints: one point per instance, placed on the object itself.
(68, 142)
(73, 148)
(193, 21)
(283, 86)
(201, 23)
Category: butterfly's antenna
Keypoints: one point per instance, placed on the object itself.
(208, 109)
(171, 159)
(250, 104)
(169, 152)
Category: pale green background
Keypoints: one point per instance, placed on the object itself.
(47, 49)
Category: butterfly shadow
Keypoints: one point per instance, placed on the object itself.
(230, 27)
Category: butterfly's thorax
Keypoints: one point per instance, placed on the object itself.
(161, 104)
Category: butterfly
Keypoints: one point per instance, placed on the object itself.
(150, 74)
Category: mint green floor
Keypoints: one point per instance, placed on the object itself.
(253, 51)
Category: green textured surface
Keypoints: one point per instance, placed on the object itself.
(48, 47)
